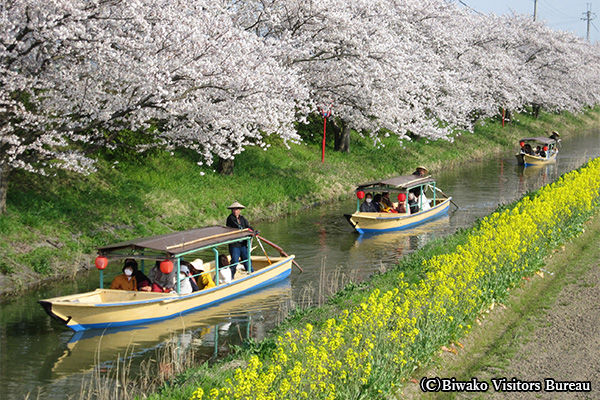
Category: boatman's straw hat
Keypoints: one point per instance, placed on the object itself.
(423, 168)
(236, 205)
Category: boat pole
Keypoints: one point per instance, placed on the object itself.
(263, 249)
(280, 250)
(444, 194)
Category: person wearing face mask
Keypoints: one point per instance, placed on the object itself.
(125, 281)
(143, 282)
(368, 205)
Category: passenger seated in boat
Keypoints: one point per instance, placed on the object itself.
(125, 281)
(424, 202)
(204, 281)
(377, 202)
(161, 282)
(386, 203)
(527, 149)
(401, 208)
(224, 272)
(368, 205)
(143, 282)
(413, 203)
(540, 152)
(191, 271)
(185, 284)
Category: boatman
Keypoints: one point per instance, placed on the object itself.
(238, 249)
(421, 171)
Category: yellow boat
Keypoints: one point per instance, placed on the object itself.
(423, 210)
(529, 156)
(87, 349)
(105, 308)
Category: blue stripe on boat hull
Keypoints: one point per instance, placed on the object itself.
(444, 211)
(79, 328)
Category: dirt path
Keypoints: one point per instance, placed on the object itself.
(549, 329)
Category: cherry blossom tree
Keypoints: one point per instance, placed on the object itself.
(422, 68)
(217, 77)
(350, 54)
(73, 70)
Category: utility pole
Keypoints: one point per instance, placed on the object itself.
(535, 10)
(588, 16)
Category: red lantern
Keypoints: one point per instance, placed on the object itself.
(521, 144)
(402, 197)
(545, 148)
(101, 262)
(166, 266)
(360, 194)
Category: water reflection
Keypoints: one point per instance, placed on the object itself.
(390, 246)
(533, 177)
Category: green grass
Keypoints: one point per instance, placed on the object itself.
(52, 221)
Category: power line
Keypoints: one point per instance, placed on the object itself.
(588, 16)
(551, 10)
(469, 7)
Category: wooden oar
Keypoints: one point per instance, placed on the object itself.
(263, 249)
(280, 250)
(444, 194)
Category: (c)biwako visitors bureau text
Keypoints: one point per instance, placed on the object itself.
(437, 384)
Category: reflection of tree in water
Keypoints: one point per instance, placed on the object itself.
(533, 177)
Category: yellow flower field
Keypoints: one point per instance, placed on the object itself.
(364, 349)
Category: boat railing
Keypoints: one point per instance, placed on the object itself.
(180, 257)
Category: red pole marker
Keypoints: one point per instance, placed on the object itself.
(325, 115)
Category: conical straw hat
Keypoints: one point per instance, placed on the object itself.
(236, 205)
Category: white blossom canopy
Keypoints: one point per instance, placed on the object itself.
(73, 70)
(218, 76)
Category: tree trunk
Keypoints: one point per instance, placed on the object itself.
(342, 136)
(536, 110)
(4, 172)
(225, 166)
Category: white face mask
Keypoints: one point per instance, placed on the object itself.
(369, 200)
(128, 272)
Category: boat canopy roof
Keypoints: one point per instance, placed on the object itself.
(539, 139)
(177, 243)
(399, 182)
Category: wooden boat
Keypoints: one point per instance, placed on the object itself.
(105, 308)
(86, 350)
(528, 156)
(365, 222)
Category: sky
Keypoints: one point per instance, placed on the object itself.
(565, 15)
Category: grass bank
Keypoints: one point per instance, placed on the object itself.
(53, 224)
(369, 338)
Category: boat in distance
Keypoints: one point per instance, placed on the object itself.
(103, 308)
(537, 150)
(413, 206)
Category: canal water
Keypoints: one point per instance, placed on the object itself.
(43, 360)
